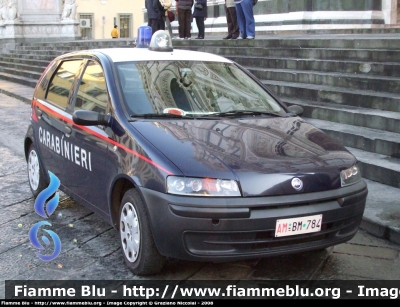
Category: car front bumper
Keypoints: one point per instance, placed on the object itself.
(225, 229)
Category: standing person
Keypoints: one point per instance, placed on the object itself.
(155, 14)
(184, 11)
(245, 17)
(200, 16)
(231, 20)
(114, 32)
(167, 13)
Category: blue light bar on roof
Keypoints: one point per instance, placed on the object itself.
(144, 37)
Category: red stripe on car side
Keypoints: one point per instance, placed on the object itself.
(103, 137)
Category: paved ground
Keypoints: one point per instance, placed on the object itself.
(90, 248)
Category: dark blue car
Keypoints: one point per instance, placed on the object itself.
(189, 156)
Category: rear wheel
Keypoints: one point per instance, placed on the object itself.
(138, 248)
(37, 182)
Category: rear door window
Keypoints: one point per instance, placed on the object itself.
(61, 84)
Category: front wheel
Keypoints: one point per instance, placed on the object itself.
(36, 178)
(138, 247)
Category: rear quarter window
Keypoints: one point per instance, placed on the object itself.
(41, 88)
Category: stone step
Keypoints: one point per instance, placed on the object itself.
(330, 41)
(19, 79)
(367, 139)
(389, 69)
(50, 53)
(40, 48)
(357, 116)
(377, 167)
(79, 44)
(23, 56)
(21, 73)
(334, 79)
(23, 66)
(17, 61)
(368, 55)
(336, 95)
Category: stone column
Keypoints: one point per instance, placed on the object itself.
(398, 12)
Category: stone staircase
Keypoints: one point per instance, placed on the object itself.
(348, 84)
(25, 63)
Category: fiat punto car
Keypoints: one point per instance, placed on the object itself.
(189, 156)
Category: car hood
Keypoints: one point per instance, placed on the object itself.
(262, 154)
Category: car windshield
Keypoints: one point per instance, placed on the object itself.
(193, 89)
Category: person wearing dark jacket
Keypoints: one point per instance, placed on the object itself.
(155, 13)
(184, 11)
(200, 16)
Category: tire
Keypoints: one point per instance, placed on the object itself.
(138, 247)
(36, 179)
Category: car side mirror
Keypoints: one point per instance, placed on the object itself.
(296, 110)
(91, 118)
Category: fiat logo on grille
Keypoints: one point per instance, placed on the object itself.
(297, 184)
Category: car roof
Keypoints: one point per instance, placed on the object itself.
(144, 54)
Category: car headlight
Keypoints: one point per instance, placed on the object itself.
(202, 186)
(350, 176)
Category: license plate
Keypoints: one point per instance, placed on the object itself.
(298, 225)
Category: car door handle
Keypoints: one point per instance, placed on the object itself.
(39, 113)
(43, 116)
(67, 131)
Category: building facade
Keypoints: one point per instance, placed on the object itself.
(44, 20)
(294, 15)
(97, 18)
(52, 20)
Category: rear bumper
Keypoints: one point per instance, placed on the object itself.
(222, 229)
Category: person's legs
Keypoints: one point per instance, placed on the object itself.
(200, 26)
(235, 27)
(250, 24)
(228, 22)
(181, 23)
(162, 23)
(241, 19)
(188, 16)
(154, 24)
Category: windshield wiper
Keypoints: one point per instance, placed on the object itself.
(207, 116)
(160, 115)
(244, 112)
